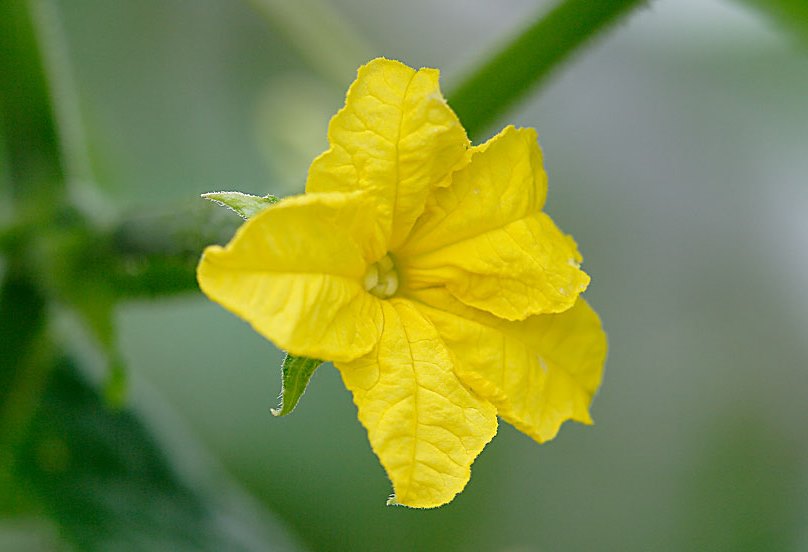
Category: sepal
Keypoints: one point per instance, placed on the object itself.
(296, 373)
(244, 205)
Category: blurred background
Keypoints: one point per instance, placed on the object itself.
(677, 149)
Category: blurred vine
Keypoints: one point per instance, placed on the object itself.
(526, 61)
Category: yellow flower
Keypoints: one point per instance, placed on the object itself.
(426, 271)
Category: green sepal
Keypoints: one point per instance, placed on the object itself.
(296, 373)
(245, 205)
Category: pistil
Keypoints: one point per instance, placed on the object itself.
(381, 278)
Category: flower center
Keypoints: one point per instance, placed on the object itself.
(381, 278)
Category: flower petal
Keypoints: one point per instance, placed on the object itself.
(294, 272)
(397, 138)
(538, 372)
(505, 182)
(425, 426)
(485, 238)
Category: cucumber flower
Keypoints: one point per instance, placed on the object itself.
(426, 271)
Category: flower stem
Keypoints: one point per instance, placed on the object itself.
(530, 58)
(26, 116)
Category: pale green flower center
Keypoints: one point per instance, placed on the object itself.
(381, 278)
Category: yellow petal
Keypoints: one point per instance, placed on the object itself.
(294, 272)
(538, 372)
(505, 182)
(485, 238)
(425, 426)
(397, 139)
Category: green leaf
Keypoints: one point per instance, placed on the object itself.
(101, 476)
(791, 14)
(245, 205)
(296, 373)
(530, 57)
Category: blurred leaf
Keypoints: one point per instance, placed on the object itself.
(530, 58)
(791, 14)
(296, 373)
(104, 480)
(244, 205)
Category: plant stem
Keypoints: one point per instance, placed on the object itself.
(530, 58)
(24, 357)
(26, 115)
(35, 175)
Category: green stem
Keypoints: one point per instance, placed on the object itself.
(26, 115)
(155, 255)
(64, 95)
(24, 356)
(530, 58)
(35, 174)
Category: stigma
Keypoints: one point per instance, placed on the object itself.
(381, 278)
